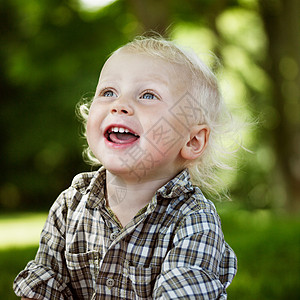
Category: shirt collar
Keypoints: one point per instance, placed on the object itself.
(180, 184)
(177, 186)
(96, 189)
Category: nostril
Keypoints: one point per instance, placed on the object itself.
(121, 109)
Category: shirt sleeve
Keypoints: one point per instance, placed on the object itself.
(200, 265)
(46, 276)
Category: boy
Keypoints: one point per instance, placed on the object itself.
(138, 228)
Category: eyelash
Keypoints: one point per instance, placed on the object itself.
(106, 90)
(150, 93)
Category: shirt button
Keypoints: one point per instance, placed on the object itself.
(114, 235)
(110, 282)
(126, 267)
(126, 264)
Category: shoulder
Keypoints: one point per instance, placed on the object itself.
(195, 203)
(82, 181)
(198, 214)
(184, 198)
(81, 184)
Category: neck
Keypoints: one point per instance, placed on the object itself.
(126, 198)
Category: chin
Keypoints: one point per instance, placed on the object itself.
(117, 169)
(127, 174)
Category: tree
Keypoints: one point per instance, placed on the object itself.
(282, 24)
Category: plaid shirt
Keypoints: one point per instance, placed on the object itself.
(172, 249)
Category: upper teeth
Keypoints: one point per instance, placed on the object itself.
(119, 129)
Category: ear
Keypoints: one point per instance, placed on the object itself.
(197, 142)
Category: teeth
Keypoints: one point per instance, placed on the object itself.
(119, 129)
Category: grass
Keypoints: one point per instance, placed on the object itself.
(19, 242)
(20, 229)
(12, 261)
(267, 247)
(268, 251)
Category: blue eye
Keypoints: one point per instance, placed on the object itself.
(149, 96)
(109, 94)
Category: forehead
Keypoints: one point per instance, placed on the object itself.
(143, 65)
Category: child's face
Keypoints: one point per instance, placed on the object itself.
(131, 128)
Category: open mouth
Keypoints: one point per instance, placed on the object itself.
(120, 135)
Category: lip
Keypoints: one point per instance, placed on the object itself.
(119, 146)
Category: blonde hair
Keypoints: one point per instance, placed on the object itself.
(211, 111)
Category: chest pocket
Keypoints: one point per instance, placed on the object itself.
(83, 269)
(143, 280)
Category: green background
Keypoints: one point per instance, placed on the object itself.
(51, 53)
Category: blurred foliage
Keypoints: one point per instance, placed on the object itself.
(50, 56)
(51, 53)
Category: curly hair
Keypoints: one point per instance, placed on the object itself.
(211, 111)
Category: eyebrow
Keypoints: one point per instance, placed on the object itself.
(150, 77)
(156, 78)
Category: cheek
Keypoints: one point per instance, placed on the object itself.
(92, 127)
(89, 127)
(163, 145)
(94, 119)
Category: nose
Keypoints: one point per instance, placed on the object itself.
(121, 107)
